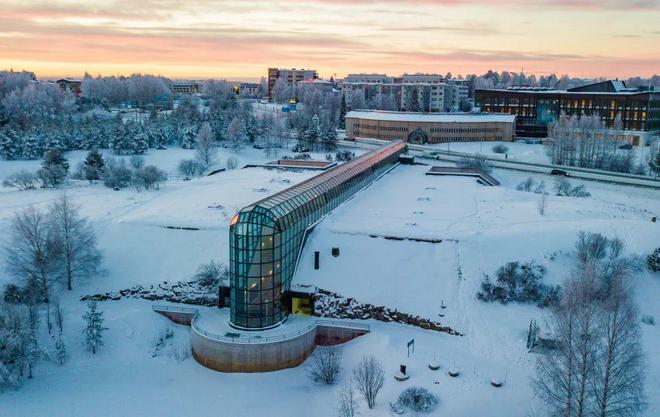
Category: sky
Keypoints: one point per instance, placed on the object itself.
(239, 40)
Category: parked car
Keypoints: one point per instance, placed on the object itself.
(626, 146)
(560, 172)
(351, 139)
(300, 149)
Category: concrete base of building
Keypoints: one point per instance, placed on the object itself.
(270, 355)
(261, 351)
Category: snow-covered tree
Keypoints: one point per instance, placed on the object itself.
(54, 168)
(93, 331)
(10, 145)
(206, 153)
(60, 353)
(93, 165)
(342, 113)
(140, 142)
(236, 134)
(281, 92)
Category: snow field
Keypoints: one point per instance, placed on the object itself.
(481, 228)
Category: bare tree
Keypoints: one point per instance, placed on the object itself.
(347, 405)
(80, 255)
(32, 251)
(597, 367)
(369, 379)
(542, 204)
(324, 365)
(619, 375)
(564, 374)
(206, 153)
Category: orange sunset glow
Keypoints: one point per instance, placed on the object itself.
(239, 39)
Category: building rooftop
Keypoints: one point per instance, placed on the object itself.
(431, 117)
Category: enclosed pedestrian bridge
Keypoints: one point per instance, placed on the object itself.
(266, 238)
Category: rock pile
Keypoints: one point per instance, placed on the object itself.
(333, 305)
(185, 292)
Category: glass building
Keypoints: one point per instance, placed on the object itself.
(266, 238)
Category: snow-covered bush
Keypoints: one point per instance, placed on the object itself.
(344, 156)
(529, 185)
(476, 162)
(180, 351)
(149, 177)
(116, 173)
(22, 180)
(232, 163)
(564, 188)
(653, 260)
(417, 400)
(190, 168)
(522, 283)
(500, 148)
(648, 319)
(325, 364)
(212, 274)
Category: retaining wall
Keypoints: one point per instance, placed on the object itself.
(226, 356)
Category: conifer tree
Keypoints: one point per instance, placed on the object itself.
(94, 165)
(93, 331)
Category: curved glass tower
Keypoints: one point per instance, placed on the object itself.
(266, 238)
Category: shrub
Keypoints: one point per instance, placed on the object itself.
(324, 365)
(22, 180)
(344, 156)
(190, 168)
(476, 161)
(148, 178)
(232, 163)
(211, 274)
(653, 260)
(499, 148)
(526, 185)
(369, 379)
(116, 174)
(648, 319)
(564, 188)
(137, 162)
(417, 400)
(521, 283)
(530, 185)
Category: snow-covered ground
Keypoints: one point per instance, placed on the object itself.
(518, 151)
(521, 151)
(481, 228)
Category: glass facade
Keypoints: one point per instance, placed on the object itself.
(266, 238)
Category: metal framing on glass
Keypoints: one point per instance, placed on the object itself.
(265, 237)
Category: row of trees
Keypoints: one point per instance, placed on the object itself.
(585, 141)
(46, 251)
(45, 248)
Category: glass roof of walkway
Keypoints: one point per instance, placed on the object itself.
(287, 201)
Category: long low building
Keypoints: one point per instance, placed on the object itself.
(430, 127)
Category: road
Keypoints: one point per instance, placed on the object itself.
(424, 151)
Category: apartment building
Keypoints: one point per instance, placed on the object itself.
(291, 76)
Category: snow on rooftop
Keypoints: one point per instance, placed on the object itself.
(431, 117)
